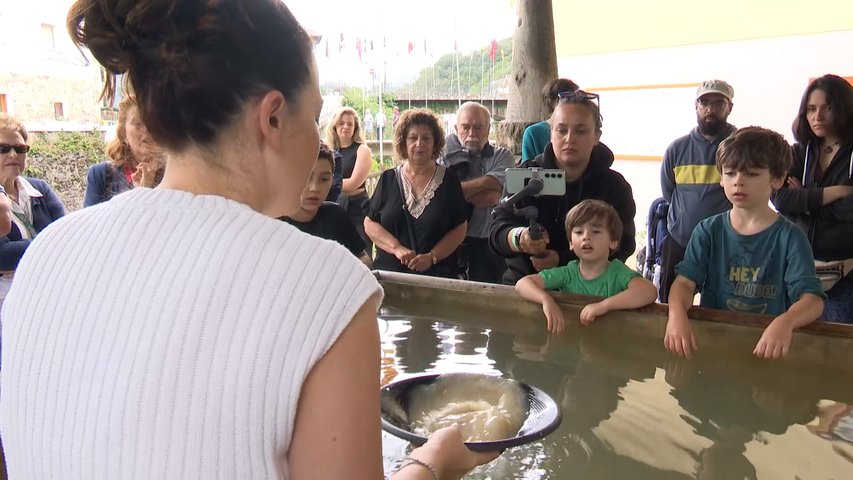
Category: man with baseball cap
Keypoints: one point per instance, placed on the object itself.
(689, 178)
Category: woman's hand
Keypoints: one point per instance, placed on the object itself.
(533, 247)
(793, 183)
(145, 174)
(404, 255)
(550, 259)
(420, 263)
(446, 452)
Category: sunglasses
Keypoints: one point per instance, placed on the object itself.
(19, 149)
(578, 95)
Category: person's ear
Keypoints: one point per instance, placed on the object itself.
(777, 183)
(614, 245)
(272, 118)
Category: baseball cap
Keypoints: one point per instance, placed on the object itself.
(715, 86)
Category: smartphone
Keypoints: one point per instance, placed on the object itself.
(518, 178)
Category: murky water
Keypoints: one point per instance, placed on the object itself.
(631, 411)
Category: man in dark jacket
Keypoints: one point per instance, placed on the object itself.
(597, 181)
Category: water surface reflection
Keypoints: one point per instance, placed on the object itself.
(632, 411)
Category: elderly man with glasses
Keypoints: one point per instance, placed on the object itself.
(689, 178)
(480, 166)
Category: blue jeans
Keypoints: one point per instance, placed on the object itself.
(838, 308)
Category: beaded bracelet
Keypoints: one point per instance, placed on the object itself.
(414, 461)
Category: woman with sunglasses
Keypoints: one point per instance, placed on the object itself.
(575, 149)
(33, 204)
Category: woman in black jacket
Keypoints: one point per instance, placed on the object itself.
(575, 149)
(818, 194)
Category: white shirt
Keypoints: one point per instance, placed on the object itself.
(165, 335)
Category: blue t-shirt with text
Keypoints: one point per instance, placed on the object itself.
(763, 273)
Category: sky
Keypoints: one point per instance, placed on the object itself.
(471, 24)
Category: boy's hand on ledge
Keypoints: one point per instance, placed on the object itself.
(592, 311)
(554, 315)
(775, 340)
(679, 338)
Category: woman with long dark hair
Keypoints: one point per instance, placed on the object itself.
(818, 194)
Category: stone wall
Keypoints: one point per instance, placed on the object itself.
(67, 177)
(31, 99)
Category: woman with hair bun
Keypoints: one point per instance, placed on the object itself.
(184, 331)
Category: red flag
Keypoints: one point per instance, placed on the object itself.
(425, 50)
(341, 44)
(411, 47)
(358, 47)
(493, 50)
(327, 47)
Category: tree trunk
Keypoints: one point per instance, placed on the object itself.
(534, 64)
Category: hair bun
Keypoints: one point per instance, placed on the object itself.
(100, 26)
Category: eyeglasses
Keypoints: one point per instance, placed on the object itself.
(19, 149)
(477, 127)
(578, 96)
(717, 104)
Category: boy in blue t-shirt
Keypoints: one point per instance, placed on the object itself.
(594, 230)
(749, 259)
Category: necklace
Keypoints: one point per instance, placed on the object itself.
(829, 148)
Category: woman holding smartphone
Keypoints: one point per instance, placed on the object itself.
(575, 149)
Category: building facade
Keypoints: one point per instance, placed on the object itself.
(46, 82)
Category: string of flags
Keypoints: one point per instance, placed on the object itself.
(360, 47)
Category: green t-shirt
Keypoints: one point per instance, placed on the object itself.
(568, 279)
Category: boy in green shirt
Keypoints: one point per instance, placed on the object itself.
(594, 229)
(749, 259)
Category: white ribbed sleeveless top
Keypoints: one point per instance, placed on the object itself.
(166, 335)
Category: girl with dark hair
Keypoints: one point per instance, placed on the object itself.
(818, 193)
(135, 160)
(246, 349)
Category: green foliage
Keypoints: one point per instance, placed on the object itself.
(62, 159)
(361, 101)
(476, 71)
(52, 147)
